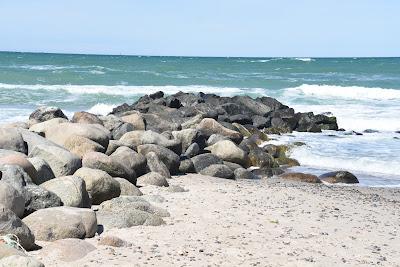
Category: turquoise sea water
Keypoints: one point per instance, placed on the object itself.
(364, 93)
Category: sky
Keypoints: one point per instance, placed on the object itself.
(253, 28)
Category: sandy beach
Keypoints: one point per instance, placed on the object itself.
(268, 222)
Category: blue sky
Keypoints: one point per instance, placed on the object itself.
(203, 27)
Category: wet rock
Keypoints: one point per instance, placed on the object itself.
(339, 177)
(301, 177)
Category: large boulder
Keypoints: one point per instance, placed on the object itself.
(344, 177)
(15, 176)
(122, 129)
(46, 113)
(85, 117)
(11, 224)
(95, 132)
(256, 107)
(241, 173)
(156, 165)
(301, 177)
(113, 145)
(11, 199)
(22, 162)
(187, 137)
(136, 120)
(11, 139)
(99, 184)
(96, 160)
(61, 161)
(149, 137)
(210, 126)
(192, 150)
(42, 127)
(258, 158)
(170, 159)
(80, 145)
(131, 159)
(36, 198)
(67, 250)
(71, 190)
(62, 222)
(19, 260)
(218, 170)
(43, 170)
(202, 161)
(127, 188)
(125, 212)
(227, 150)
(33, 140)
(152, 178)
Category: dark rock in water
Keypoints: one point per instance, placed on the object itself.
(241, 119)
(186, 166)
(371, 131)
(306, 123)
(47, 113)
(301, 177)
(352, 133)
(339, 177)
(279, 123)
(157, 95)
(218, 170)
(173, 102)
(261, 122)
(397, 132)
(258, 158)
(267, 172)
(202, 161)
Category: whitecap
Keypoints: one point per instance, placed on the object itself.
(101, 109)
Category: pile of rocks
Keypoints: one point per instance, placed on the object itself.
(54, 169)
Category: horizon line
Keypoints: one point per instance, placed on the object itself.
(186, 56)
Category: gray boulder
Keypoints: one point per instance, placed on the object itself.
(61, 161)
(110, 165)
(156, 165)
(11, 224)
(11, 199)
(21, 161)
(210, 126)
(149, 137)
(170, 159)
(70, 189)
(202, 161)
(99, 184)
(131, 159)
(339, 177)
(15, 176)
(19, 260)
(186, 166)
(192, 150)
(189, 136)
(86, 117)
(228, 151)
(218, 170)
(242, 173)
(122, 129)
(152, 178)
(214, 138)
(37, 198)
(127, 188)
(11, 139)
(47, 113)
(62, 222)
(43, 170)
(80, 145)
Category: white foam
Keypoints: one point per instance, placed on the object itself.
(304, 59)
(126, 90)
(101, 109)
(346, 92)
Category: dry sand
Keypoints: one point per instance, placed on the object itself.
(271, 222)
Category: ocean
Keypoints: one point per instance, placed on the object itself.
(363, 93)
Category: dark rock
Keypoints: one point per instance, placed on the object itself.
(218, 170)
(47, 113)
(301, 177)
(267, 172)
(156, 165)
(173, 102)
(241, 119)
(192, 150)
(122, 129)
(186, 166)
(157, 95)
(37, 198)
(260, 122)
(242, 173)
(170, 159)
(339, 177)
(202, 161)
